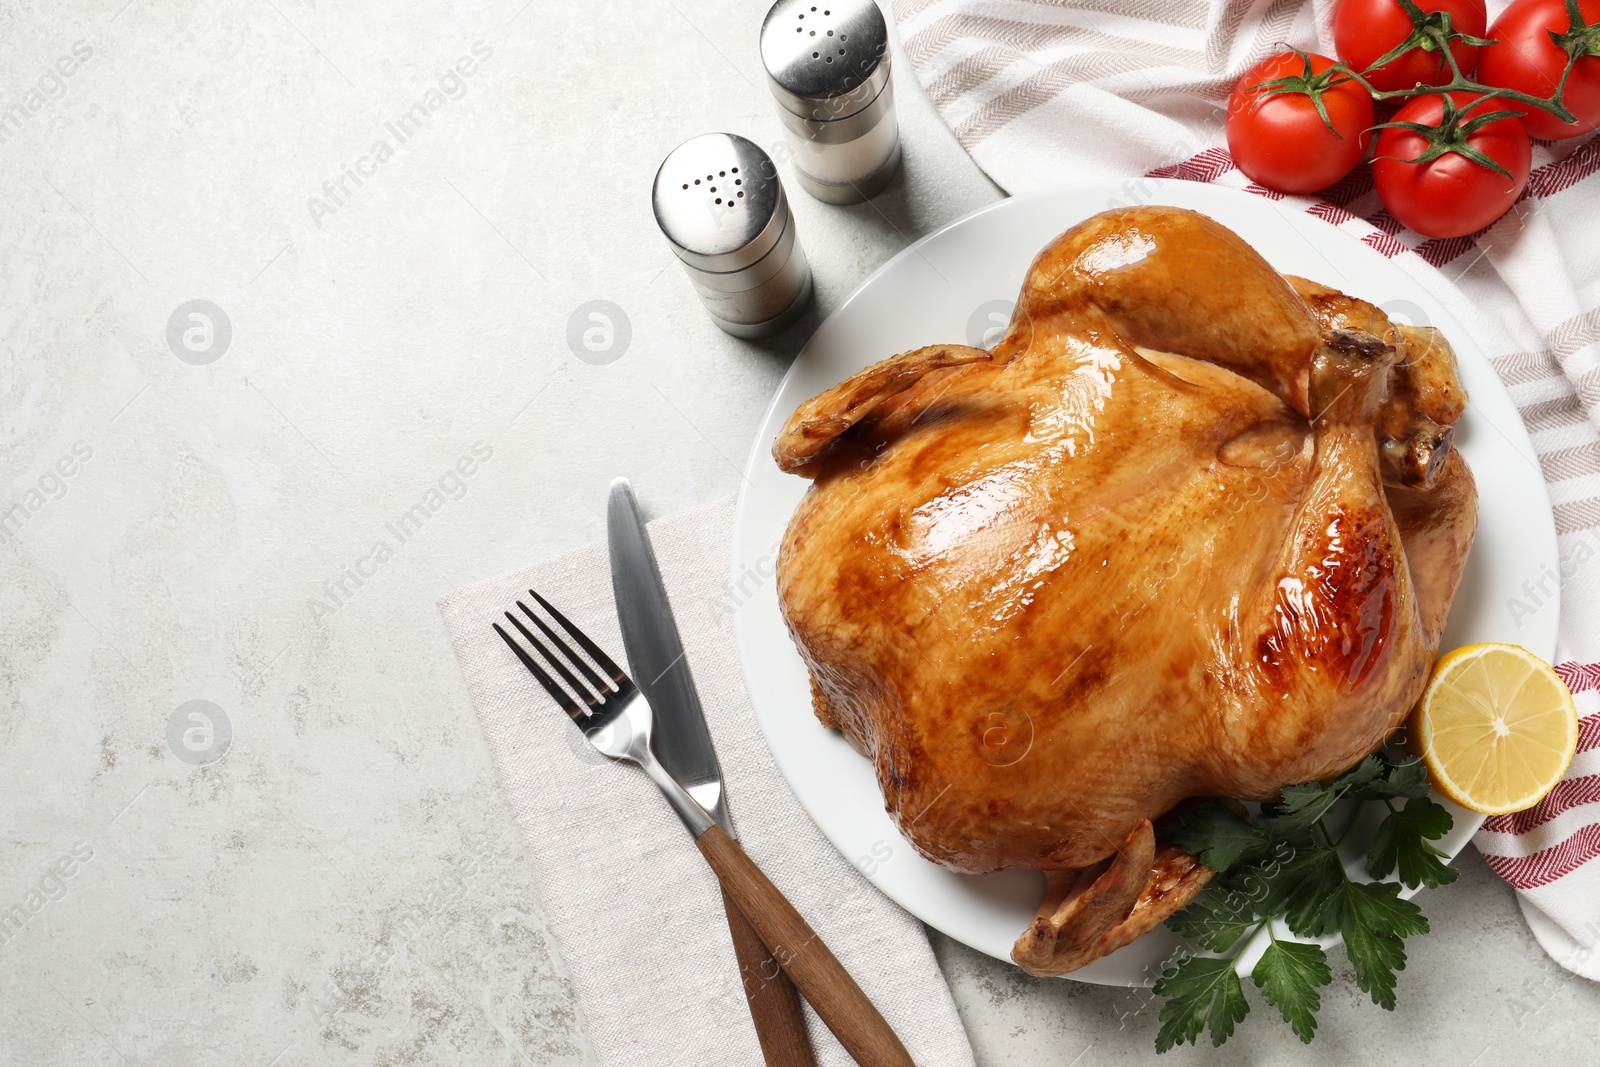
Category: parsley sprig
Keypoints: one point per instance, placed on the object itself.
(1285, 865)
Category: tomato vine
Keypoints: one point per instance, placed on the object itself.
(1434, 31)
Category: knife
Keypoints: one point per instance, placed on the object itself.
(682, 744)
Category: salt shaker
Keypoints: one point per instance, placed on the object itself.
(721, 205)
(828, 67)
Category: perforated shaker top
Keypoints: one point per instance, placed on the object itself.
(719, 201)
(827, 53)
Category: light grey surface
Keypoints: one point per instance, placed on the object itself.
(343, 885)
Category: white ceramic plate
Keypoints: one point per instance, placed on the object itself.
(963, 279)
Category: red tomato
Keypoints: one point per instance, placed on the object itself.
(1366, 30)
(1281, 141)
(1526, 59)
(1451, 195)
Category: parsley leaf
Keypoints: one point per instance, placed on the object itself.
(1288, 975)
(1301, 808)
(1216, 919)
(1402, 843)
(1374, 778)
(1217, 836)
(1408, 778)
(1201, 992)
(1286, 864)
(1303, 888)
(1374, 920)
(1372, 769)
(1303, 805)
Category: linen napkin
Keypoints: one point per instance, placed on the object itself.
(634, 908)
(1041, 93)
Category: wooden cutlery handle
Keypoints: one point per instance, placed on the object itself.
(774, 1002)
(800, 952)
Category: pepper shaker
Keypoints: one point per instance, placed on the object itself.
(721, 205)
(828, 68)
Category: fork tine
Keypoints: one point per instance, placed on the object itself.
(561, 696)
(606, 663)
(576, 660)
(561, 669)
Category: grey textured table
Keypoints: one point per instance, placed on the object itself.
(312, 865)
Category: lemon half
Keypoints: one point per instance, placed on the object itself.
(1496, 727)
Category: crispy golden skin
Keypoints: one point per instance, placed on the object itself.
(1191, 529)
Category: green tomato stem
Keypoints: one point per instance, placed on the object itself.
(1435, 32)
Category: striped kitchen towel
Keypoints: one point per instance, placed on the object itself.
(1041, 93)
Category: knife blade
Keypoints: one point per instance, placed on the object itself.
(682, 745)
(682, 741)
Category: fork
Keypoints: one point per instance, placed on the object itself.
(616, 719)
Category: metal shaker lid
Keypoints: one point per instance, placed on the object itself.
(825, 59)
(719, 201)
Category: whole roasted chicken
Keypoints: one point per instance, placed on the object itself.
(1191, 529)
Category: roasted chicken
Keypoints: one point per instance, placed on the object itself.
(1191, 529)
